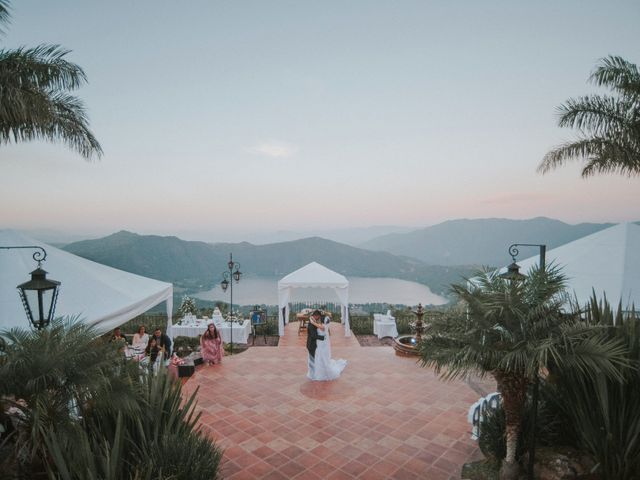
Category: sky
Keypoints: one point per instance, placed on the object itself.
(219, 118)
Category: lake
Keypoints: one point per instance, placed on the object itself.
(261, 290)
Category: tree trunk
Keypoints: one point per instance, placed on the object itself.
(513, 388)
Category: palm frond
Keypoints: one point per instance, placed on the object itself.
(35, 103)
(5, 14)
(617, 73)
(608, 126)
(602, 155)
(600, 115)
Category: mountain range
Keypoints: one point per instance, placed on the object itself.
(435, 256)
(481, 241)
(197, 265)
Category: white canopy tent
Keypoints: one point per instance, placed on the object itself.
(313, 275)
(607, 261)
(101, 296)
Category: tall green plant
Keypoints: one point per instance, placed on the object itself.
(83, 411)
(512, 331)
(163, 441)
(54, 376)
(605, 413)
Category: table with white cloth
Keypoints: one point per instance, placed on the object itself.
(241, 330)
(384, 326)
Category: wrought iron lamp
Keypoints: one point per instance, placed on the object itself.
(38, 295)
(513, 274)
(228, 277)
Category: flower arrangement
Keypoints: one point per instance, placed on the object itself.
(188, 306)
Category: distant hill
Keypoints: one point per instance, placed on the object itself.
(195, 265)
(350, 236)
(482, 241)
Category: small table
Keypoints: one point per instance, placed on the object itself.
(241, 330)
(384, 326)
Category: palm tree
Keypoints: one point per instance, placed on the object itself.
(608, 125)
(513, 331)
(35, 99)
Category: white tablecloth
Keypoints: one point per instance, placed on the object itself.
(241, 331)
(384, 326)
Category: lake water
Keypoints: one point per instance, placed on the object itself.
(260, 290)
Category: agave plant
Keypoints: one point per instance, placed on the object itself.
(513, 331)
(82, 412)
(605, 413)
(53, 377)
(162, 441)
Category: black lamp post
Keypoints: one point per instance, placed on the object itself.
(39, 294)
(228, 277)
(513, 274)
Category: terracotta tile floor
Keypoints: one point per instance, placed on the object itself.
(385, 417)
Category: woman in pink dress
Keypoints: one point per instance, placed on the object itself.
(211, 345)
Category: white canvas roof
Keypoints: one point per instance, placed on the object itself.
(100, 295)
(312, 276)
(607, 261)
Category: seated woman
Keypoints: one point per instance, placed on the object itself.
(118, 336)
(152, 350)
(211, 345)
(140, 339)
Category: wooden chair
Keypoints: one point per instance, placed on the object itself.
(303, 321)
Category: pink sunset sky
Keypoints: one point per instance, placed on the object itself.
(220, 118)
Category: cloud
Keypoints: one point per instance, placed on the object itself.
(273, 149)
(507, 198)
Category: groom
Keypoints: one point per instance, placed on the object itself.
(312, 336)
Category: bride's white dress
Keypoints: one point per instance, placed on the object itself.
(325, 368)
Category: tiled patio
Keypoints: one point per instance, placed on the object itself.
(385, 417)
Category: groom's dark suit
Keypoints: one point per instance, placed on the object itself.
(312, 336)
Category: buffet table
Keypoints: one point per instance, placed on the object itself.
(241, 330)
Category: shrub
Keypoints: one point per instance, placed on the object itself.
(85, 412)
(605, 414)
(183, 346)
(361, 325)
(552, 427)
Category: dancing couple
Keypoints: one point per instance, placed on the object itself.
(321, 365)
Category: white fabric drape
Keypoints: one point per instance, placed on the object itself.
(284, 295)
(343, 295)
(99, 295)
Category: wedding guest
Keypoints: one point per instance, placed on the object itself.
(163, 340)
(140, 339)
(211, 345)
(118, 336)
(152, 350)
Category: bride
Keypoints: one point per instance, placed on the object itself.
(325, 367)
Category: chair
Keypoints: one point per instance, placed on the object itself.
(303, 322)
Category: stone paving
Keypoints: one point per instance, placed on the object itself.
(385, 417)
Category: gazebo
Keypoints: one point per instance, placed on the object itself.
(99, 295)
(313, 276)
